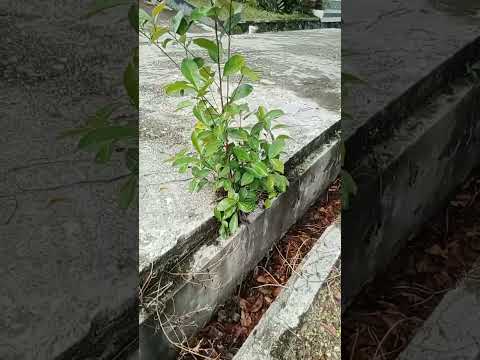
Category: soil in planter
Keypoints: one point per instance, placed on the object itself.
(221, 338)
(386, 314)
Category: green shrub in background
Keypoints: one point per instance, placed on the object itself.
(281, 6)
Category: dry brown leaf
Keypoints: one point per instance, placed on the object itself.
(436, 250)
(475, 244)
(265, 290)
(243, 304)
(277, 291)
(261, 279)
(258, 304)
(245, 319)
(424, 266)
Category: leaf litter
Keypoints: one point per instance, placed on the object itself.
(233, 321)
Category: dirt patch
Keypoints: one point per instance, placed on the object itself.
(386, 314)
(221, 338)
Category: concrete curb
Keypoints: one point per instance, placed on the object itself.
(452, 331)
(215, 269)
(286, 313)
(427, 156)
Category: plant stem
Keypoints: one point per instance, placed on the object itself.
(163, 51)
(218, 62)
(229, 44)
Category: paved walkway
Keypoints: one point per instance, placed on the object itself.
(319, 336)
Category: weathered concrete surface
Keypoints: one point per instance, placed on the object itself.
(398, 49)
(414, 132)
(68, 254)
(407, 178)
(284, 316)
(301, 75)
(210, 274)
(453, 330)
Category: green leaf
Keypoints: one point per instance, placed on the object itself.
(247, 206)
(233, 65)
(165, 42)
(208, 45)
(276, 148)
(105, 153)
(101, 117)
(133, 16)
(256, 129)
(225, 204)
(107, 133)
(176, 21)
(259, 169)
(247, 195)
(130, 81)
(270, 183)
(196, 142)
(158, 9)
(268, 203)
(74, 132)
(199, 61)
(157, 32)
(261, 113)
(217, 214)
(176, 86)
(280, 126)
(241, 92)
(128, 191)
(228, 213)
(184, 104)
(238, 134)
(233, 225)
(349, 188)
(225, 171)
(144, 17)
(350, 78)
(189, 69)
(283, 137)
(199, 13)
(281, 182)
(211, 147)
(131, 160)
(223, 230)
(274, 114)
(249, 73)
(247, 178)
(233, 195)
(241, 154)
(278, 165)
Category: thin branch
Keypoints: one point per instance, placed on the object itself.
(161, 49)
(229, 44)
(218, 61)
